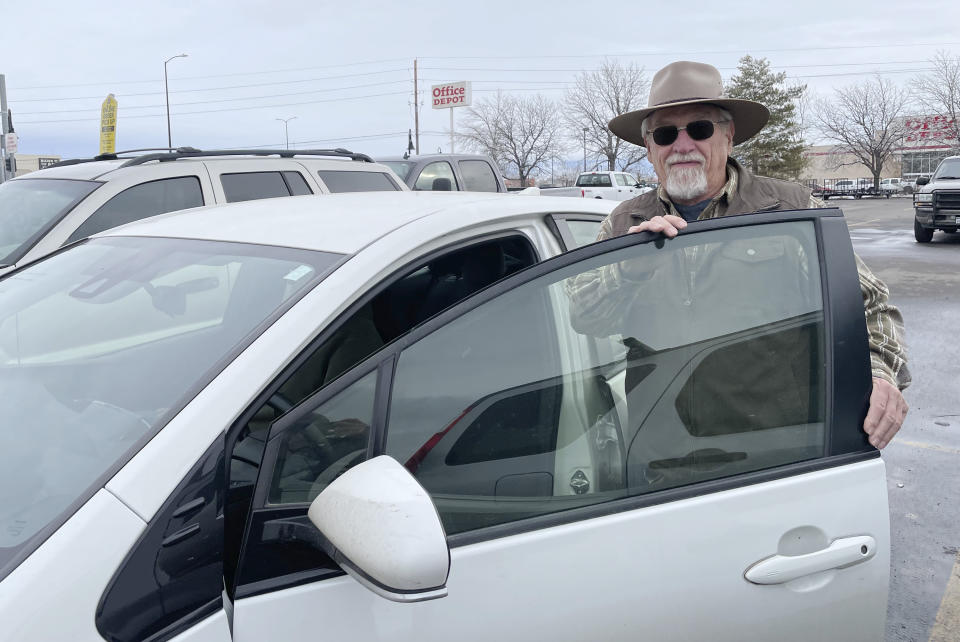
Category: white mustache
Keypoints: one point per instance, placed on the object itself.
(685, 158)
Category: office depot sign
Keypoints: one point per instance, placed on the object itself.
(451, 94)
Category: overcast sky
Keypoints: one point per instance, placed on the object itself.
(344, 70)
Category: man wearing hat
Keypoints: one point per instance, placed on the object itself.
(689, 129)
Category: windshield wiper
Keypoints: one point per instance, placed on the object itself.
(947, 178)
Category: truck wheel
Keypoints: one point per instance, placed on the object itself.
(887, 194)
(921, 233)
(826, 197)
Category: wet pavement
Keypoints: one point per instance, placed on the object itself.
(923, 462)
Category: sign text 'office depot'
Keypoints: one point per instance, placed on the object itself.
(451, 94)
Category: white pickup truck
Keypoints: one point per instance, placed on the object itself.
(616, 186)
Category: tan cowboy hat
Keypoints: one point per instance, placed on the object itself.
(691, 83)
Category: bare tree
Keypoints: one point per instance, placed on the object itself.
(598, 96)
(939, 93)
(867, 121)
(521, 133)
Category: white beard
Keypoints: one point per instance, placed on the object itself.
(686, 183)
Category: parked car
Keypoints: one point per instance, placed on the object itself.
(448, 172)
(46, 209)
(617, 186)
(891, 186)
(857, 188)
(936, 201)
(211, 416)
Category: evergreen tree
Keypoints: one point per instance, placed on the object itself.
(777, 151)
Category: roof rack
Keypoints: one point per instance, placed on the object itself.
(189, 152)
(163, 154)
(116, 155)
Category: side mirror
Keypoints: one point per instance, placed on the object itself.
(923, 180)
(380, 525)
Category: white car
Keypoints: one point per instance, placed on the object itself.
(44, 210)
(382, 417)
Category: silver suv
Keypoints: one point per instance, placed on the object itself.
(46, 209)
(936, 201)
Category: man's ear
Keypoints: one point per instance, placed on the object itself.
(731, 130)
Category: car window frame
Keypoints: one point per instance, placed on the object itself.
(557, 222)
(377, 438)
(72, 237)
(846, 359)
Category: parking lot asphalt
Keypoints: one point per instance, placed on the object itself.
(924, 459)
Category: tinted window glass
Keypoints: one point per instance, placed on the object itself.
(323, 444)
(583, 232)
(297, 183)
(142, 201)
(354, 181)
(437, 177)
(521, 406)
(30, 207)
(250, 186)
(400, 168)
(478, 176)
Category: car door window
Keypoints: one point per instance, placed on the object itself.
(437, 176)
(354, 181)
(250, 186)
(622, 180)
(142, 201)
(478, 176)
(322, 441)
(511, 411)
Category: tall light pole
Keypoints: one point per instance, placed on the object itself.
(585, 129)
(286, 134)
(166, 92)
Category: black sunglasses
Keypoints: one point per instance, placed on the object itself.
(697, 130)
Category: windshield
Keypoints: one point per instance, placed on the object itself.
(100, 345)
(400, 168)
(949, 169)
(30, 207)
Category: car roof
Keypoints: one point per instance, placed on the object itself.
(433, 157)
(344, 223)
(101, 169)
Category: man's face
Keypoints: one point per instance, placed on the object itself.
(690, 170)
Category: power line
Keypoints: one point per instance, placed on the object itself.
(226, 100)
(695, 53)
(202, 89)
(216, 111)
(239, 73)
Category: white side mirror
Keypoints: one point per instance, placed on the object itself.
(381, 527)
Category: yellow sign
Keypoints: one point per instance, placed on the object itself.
(108, 125)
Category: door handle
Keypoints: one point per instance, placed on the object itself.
(842, 553)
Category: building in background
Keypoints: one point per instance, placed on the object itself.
(27, 163)
(929, 140)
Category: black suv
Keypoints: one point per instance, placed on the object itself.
(937, 201)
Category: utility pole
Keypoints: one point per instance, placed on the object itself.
(3, 133)
(416, 106)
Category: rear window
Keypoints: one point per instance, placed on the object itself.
(353, 181)
(478, 176)
(251, 186)
(594, 180)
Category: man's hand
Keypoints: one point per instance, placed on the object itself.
(886, 413)
(666, 225)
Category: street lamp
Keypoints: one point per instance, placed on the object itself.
(166, 92)
(585, 130)
(286, 134)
